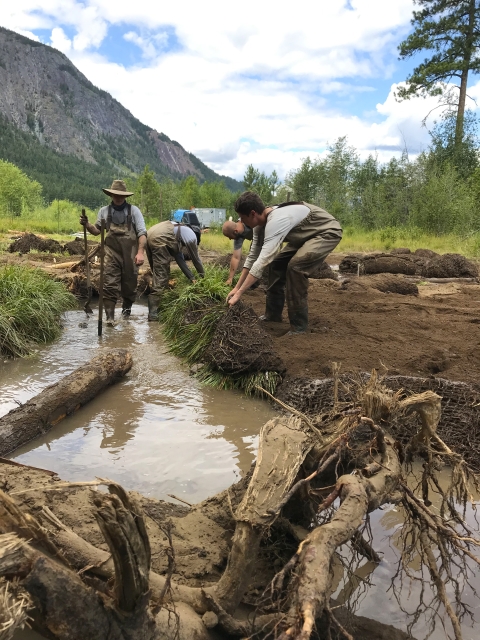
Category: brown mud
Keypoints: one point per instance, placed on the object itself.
(434, 333)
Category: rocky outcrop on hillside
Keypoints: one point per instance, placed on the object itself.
(45, 95)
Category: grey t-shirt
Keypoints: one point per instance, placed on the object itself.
(120, 217)
(247, 234)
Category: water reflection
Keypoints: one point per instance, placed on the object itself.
(156, 431)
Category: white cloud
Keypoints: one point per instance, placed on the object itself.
(59, 40)
(263, 86)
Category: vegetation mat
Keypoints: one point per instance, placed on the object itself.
(31, 308)
(459, 424)
(421, 263)
(201, 329)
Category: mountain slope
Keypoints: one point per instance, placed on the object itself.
(62, 130)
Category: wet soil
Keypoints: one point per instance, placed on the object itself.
(434, 333)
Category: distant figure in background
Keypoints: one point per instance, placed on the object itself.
(167, 240)
(238, 232)
(124, 248)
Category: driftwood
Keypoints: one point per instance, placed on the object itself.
(315, 478)
(59, 400)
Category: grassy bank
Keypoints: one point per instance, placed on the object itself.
(31, 308)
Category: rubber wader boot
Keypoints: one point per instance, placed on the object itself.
(273, 309)
(126, 308)
(298, 320)
(153, 302)
(109, 306)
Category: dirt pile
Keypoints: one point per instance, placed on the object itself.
(378, 263)
(241, 345)
(450, 265)
(384, 282)
(76, 247)
(30, 241)
(422, 262)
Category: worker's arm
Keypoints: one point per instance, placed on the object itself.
(192, 249)
(91, 228)
(140, 257)
(234, 262)
(180, 260)
(245, 282)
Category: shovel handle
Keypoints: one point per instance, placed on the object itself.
(102, 262)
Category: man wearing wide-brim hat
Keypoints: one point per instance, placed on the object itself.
(124, 248)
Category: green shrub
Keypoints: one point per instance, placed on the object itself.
(31, 308)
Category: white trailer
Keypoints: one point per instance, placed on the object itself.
(207, 217)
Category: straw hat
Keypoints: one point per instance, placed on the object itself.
(118, 188)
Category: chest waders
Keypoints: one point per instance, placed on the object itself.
(121, 272)
(162, 245)
(308, 244)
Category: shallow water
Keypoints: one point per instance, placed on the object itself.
(159, 432)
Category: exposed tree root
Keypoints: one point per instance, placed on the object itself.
(315, 481)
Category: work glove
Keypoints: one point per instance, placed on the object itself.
(83, 220)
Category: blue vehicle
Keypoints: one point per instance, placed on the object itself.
(186, 216)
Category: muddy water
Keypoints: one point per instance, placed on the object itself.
(159, 432)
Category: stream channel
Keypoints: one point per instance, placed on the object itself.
(160, 432)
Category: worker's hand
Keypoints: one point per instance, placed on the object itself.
(231, 293)
(83, 220)
(233, 299)
(192, 281)
(139, 258)
(229, 281)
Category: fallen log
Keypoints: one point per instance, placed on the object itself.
(48, 408)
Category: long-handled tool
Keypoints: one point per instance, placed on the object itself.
(87, 308)
(100, 292)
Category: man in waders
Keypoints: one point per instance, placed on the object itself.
(238, 232)
(124, 248)
(167, 240)
(310, 233)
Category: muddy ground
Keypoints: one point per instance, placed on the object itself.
(434, 333)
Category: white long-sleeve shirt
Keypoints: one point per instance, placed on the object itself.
(267, 240)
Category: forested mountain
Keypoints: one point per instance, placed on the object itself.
(71, 136)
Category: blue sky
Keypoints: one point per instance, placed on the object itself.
(266, 84)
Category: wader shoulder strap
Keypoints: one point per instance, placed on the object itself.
(286, 204)
(129, 217)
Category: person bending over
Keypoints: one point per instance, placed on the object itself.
(238, 232)
(166, 240)
(310, 233)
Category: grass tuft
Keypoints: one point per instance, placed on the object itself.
(190, 313)
(31, 307)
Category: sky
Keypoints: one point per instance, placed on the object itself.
(261, 82)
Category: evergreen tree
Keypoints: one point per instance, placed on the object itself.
(450, 29)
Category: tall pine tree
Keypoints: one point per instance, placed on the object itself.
(450, 29)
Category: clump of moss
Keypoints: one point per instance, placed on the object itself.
(31, 308)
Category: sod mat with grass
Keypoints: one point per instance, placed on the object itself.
(200, 328)
(31, 308)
